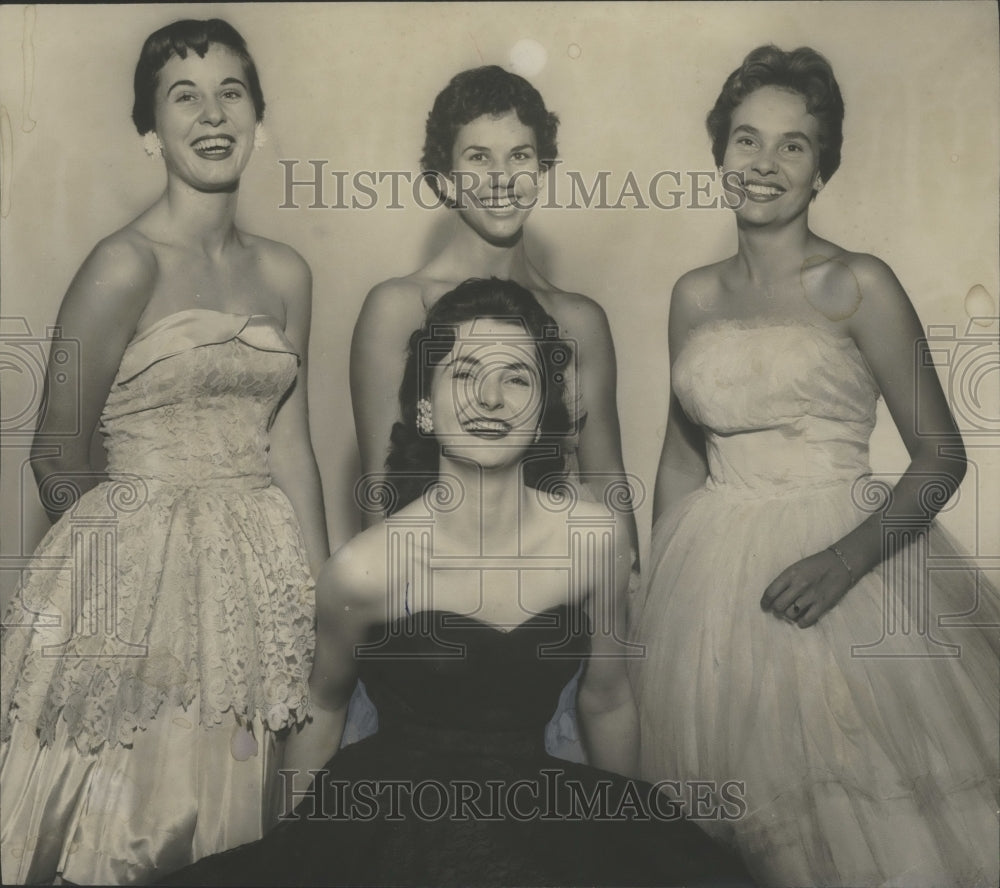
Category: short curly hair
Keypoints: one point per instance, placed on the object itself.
(803, 71)
(413, 461)
(473, 93)
(177, 39)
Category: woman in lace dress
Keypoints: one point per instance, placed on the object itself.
(489, 142)
(777, 563)
(162, 636)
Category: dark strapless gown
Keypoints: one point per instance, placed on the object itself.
(456, 787)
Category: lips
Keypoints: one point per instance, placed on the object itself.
(762, 191)
(214, 147)
(490, 429)
(500, 204)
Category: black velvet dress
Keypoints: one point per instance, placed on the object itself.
(456, 788)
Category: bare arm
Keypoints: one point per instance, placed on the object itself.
(600, 447)
(889, 335)
(98, 316)
(292, 460)
(609, 719)
(341, 621)
(378, 356)
(683, 466)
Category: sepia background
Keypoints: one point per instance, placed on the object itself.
(351, 84)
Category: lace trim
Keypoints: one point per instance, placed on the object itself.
(229, 620)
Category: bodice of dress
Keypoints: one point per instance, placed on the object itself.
(438, 675)
(782, 405)
(183, 413)
(188, 553)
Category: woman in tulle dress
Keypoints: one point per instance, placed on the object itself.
(489, 143)
(162, 635)
(466, 611)
(796, 638)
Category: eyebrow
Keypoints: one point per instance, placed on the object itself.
(515, 365)
(527, 145)
(194, 85)
(792, 134)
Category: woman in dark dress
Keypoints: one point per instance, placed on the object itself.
(465, 613)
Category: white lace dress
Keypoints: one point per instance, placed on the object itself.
(867, 745)
(163, 632)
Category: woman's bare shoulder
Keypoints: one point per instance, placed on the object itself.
(400, 301)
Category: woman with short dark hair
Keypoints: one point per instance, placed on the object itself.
(146, 683)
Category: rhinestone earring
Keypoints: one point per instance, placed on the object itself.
(425, 422)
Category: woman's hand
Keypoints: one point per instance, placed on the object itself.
(806, 590)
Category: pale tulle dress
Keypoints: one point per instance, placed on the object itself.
(867, 744)
(163, 632)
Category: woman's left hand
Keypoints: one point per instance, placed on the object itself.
(806, 590)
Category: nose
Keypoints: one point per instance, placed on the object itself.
(212, 111)
(500, 177)
(489, 392)
(765, 161)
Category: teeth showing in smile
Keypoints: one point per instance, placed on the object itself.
(487, 427)
(496, 203)
(763, 190)
(213, 146)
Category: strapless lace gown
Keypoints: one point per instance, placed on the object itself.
(462, 709)
(868, 743)
(164, 628)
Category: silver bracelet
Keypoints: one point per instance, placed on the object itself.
(843, 561)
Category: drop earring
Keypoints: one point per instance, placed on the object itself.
(151, 144)
(425, 422)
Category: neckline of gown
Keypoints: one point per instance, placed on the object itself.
(146, 349)
(465, 621)
(148, 331)
(844, 343)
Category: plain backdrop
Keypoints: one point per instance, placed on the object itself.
(351, 85)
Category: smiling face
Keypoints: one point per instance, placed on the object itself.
(205, 118)
(774, 145)
(487, 394)
(495, 172)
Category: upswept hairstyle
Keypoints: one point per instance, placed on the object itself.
(413, 460)
(177, 39)
(478, 91)
(803, 71)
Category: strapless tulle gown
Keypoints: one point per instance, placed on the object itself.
(456, 789)
(868, 743)
(163, 631)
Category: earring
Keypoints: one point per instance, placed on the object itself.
(259, 136)
(151, 144)
(425, 422)
(819, 184)
(538, 434)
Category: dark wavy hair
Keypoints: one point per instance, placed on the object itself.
(413, 462)
(803, 71)
(473, 93)
(177, 39)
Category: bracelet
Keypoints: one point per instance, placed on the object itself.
(843, 561)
